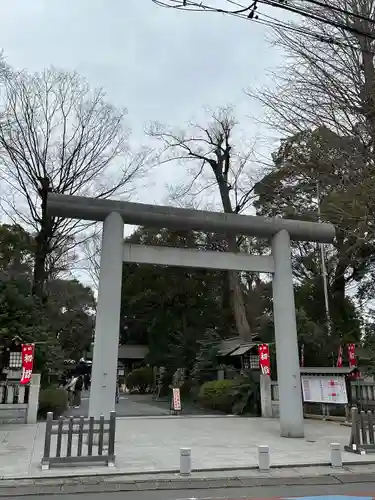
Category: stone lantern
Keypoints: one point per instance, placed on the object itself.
(13, 359)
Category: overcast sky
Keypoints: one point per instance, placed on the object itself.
(161, 64)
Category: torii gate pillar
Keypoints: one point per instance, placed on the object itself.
(104, 366)
(288, 372)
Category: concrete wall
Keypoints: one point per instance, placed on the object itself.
(20, 406)
(13, 413)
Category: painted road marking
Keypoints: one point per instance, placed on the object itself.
(354, 496)
(331, 497)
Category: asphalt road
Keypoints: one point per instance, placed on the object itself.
(325, 492)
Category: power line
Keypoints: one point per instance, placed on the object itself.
(248, 12)
(315, 17)
(340, 10)
(272, 22)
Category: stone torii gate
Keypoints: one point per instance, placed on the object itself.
(114, 214)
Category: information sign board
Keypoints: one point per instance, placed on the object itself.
(324, 389)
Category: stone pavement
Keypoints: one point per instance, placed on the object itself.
(152, 444)
(136, 405)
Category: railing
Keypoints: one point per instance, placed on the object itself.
(19, 403)
(12, 393)
(274, 391)
(275, 399)
(363, 394)
(362, 438)
(66, 429)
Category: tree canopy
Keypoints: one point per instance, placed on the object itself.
(61, 329)
(170, 308)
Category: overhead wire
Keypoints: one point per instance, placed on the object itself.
(330, 22)
(273, 22)
(320, 4)
(247, 12)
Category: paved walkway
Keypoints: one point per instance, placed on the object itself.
(135, 405)
(152, 444)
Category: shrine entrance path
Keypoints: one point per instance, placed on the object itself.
(137, 405)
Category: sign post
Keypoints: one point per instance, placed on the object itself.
(176, 401)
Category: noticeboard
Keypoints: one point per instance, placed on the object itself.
(324, 389)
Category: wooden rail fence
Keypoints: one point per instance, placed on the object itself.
(70, 432)
(362, 439)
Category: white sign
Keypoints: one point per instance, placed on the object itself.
(176, 399)
(324, 389)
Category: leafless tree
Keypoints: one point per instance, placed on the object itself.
(56, 134)
(327, 79)
(214, 163)
(91, 258)
(327, 82)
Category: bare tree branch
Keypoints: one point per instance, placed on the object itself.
(213, 162)
(57, 134)
(330, 88)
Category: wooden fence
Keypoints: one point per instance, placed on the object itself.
(363, 394)
(362, 439)
(13, 393)
(71, 432)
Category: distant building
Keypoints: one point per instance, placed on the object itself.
(129, 357)
(242, 355)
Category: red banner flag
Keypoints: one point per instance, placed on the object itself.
(264, 359)
(339, 358)
(351, 356)
(27, 363)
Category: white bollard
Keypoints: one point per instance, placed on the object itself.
(336, 458)
(185, 461)
(264, 457)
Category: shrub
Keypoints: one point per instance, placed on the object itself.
(205, 366)
(52, 400)
(217, 395)
(238, 396)
(186, 389)
(140, 380)
(246, 393)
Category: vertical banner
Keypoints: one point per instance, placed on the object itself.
(27, 363)
(339, 357)
(351, 356)
(176, 399)
(302, 356)
(264, 359)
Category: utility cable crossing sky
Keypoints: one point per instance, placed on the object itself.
(316, 10)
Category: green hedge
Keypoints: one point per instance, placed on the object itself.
(52, 400)
(140, 380)
(239, 396)
(218, 395)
